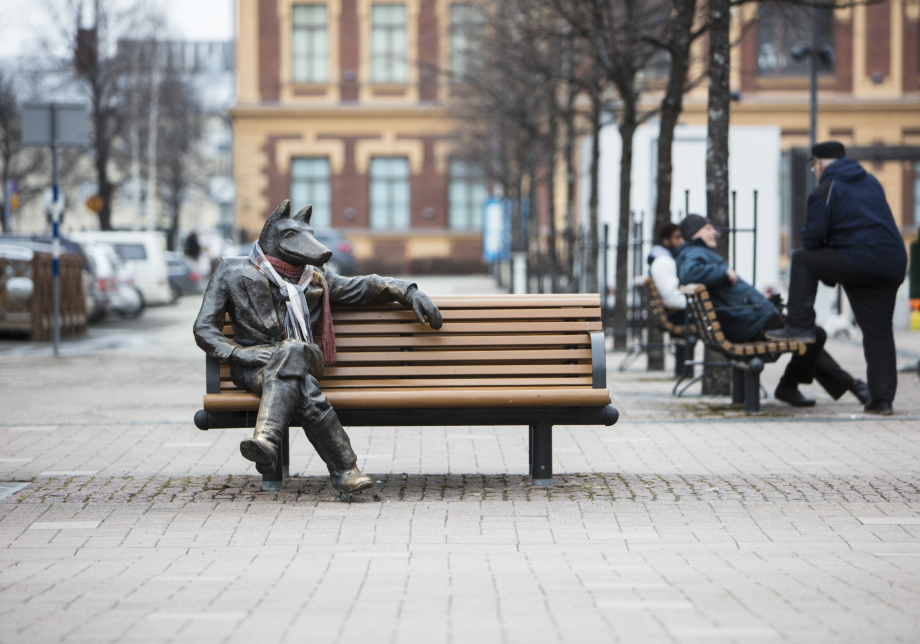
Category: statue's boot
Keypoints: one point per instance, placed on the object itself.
(279, 402)
(334, 447)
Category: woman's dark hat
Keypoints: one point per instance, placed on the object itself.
(828, 150)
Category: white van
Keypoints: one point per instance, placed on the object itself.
(144, 252)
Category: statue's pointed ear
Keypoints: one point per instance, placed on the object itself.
(283, 211)
(305, 214)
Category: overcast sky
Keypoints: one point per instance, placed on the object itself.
(21, 21)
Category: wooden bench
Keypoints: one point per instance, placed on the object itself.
(534, 360)
(747, 359)
(683, 335)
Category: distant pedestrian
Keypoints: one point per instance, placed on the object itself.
(850, 238)
(663, 271)
(192, 246)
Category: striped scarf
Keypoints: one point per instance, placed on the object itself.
(297, 318)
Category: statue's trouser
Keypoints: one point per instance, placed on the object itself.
(291, 396)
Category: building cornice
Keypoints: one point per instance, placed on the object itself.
(263, 110)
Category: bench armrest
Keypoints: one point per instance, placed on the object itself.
(598, 361)
(692, 289)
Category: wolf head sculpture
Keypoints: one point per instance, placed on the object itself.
(291, 238)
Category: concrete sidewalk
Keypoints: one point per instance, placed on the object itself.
(685, 522)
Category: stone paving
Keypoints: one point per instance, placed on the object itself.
(685, 522)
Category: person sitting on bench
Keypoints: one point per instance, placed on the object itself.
(745, 315)
(663, 271)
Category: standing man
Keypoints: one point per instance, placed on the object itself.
(663, 271)
(850, 238)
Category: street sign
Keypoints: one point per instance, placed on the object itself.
(55, 125)
(58, 124)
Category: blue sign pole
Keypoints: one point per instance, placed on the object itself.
(56, 245)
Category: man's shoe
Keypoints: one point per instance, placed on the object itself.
(792, 396)
(880, 407)
(860, 389)
(350, 481)
(789, 332)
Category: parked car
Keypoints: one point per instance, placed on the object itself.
(142, 251)
(116, 279)
(343, 257)
(184, 276)
(97, 302)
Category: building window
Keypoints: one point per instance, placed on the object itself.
(780, 27)
(388, 43)
(467, 195)
(390, 193)
(466, 25)
(310, 185)
(310, 46)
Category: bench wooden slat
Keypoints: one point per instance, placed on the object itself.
(542, 355)
(434, 341)
(492, 383)
(457, 370)
(399, 314)
(389, 399)
(467, 327)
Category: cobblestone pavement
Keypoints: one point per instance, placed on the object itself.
(685, 522)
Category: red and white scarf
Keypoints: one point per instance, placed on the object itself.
(297, 318)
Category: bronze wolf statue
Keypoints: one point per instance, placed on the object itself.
(277, 299)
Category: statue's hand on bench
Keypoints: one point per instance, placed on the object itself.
(423, 307)
(254, 356)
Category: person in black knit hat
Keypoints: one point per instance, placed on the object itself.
(850, 238)
(745, 315)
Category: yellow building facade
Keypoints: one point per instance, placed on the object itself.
(342, 105)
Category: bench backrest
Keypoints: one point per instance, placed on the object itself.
(701, 309)
(657, 313)
(514, 341)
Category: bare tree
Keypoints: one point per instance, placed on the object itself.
(16, 162)
(180, 127)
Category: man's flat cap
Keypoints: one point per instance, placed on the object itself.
(828, 150)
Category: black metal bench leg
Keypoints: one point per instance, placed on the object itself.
(272, 481)
(689, 356)
(286, 455)
(530, 450)
(738, 384)
(752, 386)
(542, 464)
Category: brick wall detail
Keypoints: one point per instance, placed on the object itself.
(749, 57)
(428, 50)
(350, 190)
(911, 53)
(878, 39)
(278, 185)
(428, 191)
(349, 50)
(269, 50)
(843, 55)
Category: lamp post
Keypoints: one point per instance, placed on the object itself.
(815, 53)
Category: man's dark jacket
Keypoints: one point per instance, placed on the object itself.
(742, 310)
(848, 211)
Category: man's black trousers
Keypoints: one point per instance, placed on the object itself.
(814, 364)
(872, 300)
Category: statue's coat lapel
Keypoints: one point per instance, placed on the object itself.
(260, 295)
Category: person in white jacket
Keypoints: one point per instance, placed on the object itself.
(663, 271)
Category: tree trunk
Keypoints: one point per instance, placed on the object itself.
(621, 306)
(533, 227)
(591, 240)
(569, 232)
(718, 381)
(671, 107)
(551, 204)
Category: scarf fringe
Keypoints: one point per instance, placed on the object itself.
(327, 341)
